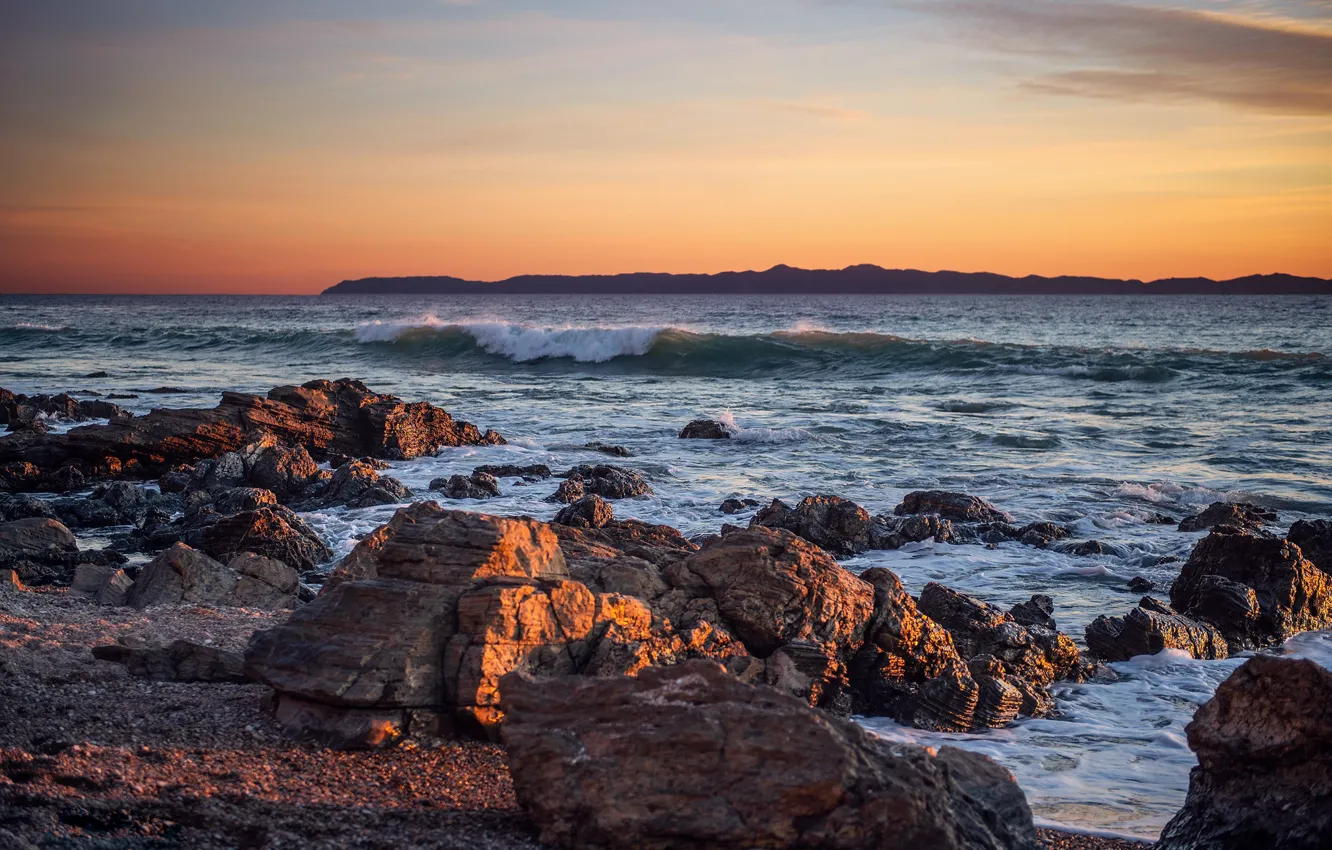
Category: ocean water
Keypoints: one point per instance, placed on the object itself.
(1093, 412)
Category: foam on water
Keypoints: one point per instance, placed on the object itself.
(1160, 406)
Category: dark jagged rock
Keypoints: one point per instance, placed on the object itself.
(684, 758)
(1036, 611)
(1138, 584)
(1314, 537)
(608, 449)
(736, 506)
(1236, 514)
(480, 485)
(18, 506)
(116, 503)
(1291, 594)
(1030, 657)
(180, 661)
(1042, 534)
(894, 532)
(705, 429)
(275, 533)
(324, 417)
(587, 512)
(1151, 628)
(529, 473)
(357, 485)
(287, 472)
(955, 506)
(240, 499)
(1264, 774)
(836, 524)
(19, 411)
(608, 482)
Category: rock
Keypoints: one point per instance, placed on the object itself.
(705, 429)
(1029, 658)
(361, 561)
(240, 499)
(1237, 514)
(1264, 774)
(836, 524)
(181, 574)
(1292, 595)
(272, 532)
(532, 472)
(689, 757)
(283, 470)
(1037, 611)
(115, 590)
(262, 583)
(459, 600)
(894, 532)
(1042, 534)
(736, 506)
(116, 503)
(569, 491)
(41, 551)
(955, 506)
(36, 539)
(323, 417)
(608, 482)
(181, 661)
(357, 485)
(10, 581)
(1138, 584)
(607, 449)
(89, 579)
(1314, 537)
(587, 512)
(1084, 548)
(18, 506)
(1150, 628)
(481, 485)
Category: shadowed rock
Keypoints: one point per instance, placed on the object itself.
(1264, 774)
(954, 506)
(1235, 514)
(1151, 628)
(480, 485)
(705, 429)
(1314, 537)
(836, 524)
(689, 757)
(181, 661)
(587, 512)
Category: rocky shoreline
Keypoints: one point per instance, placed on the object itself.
(425, 636)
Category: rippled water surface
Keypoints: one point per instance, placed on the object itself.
(1093, 412)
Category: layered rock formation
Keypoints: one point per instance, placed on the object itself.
(324, 417)
(1151, 628)
(1264, 774)
(414, 628)
(690, 757)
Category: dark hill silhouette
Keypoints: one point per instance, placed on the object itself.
(853, 280)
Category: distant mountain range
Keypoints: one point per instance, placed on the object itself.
(854, 280)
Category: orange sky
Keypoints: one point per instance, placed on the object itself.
(283, 154)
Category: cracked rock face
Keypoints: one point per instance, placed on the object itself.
(1264, 775)
(690, 757)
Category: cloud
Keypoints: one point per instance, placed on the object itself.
(1124, 51)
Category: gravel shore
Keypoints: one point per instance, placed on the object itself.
(93, 758)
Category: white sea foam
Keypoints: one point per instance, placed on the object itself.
(525, 343)
(1174, 493)
(38, 326)
(770, 436)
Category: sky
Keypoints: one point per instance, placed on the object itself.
(284, 145)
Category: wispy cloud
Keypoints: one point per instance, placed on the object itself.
(1124, 51)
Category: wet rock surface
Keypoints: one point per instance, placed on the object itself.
(479, 485)
(955, 506)
(705, 429)
(1151, 628)
(1239, 515)
(1264, 775)
(686, 757)
(608, 482)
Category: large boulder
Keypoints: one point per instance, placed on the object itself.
(1240, 515)
(181, 574)
(960, 507)
(690, 757)
(325, 417)
(1264, 774)
(1291, 595)
(1151, 628)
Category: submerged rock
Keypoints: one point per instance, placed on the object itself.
(480, 485)
(705, 429)
(1235, 514)
(532, 472)
(689, 757)
(1264, 774)
(955, 506)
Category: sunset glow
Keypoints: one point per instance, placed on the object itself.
(281, 147)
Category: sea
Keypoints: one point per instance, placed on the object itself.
(1094, 412)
